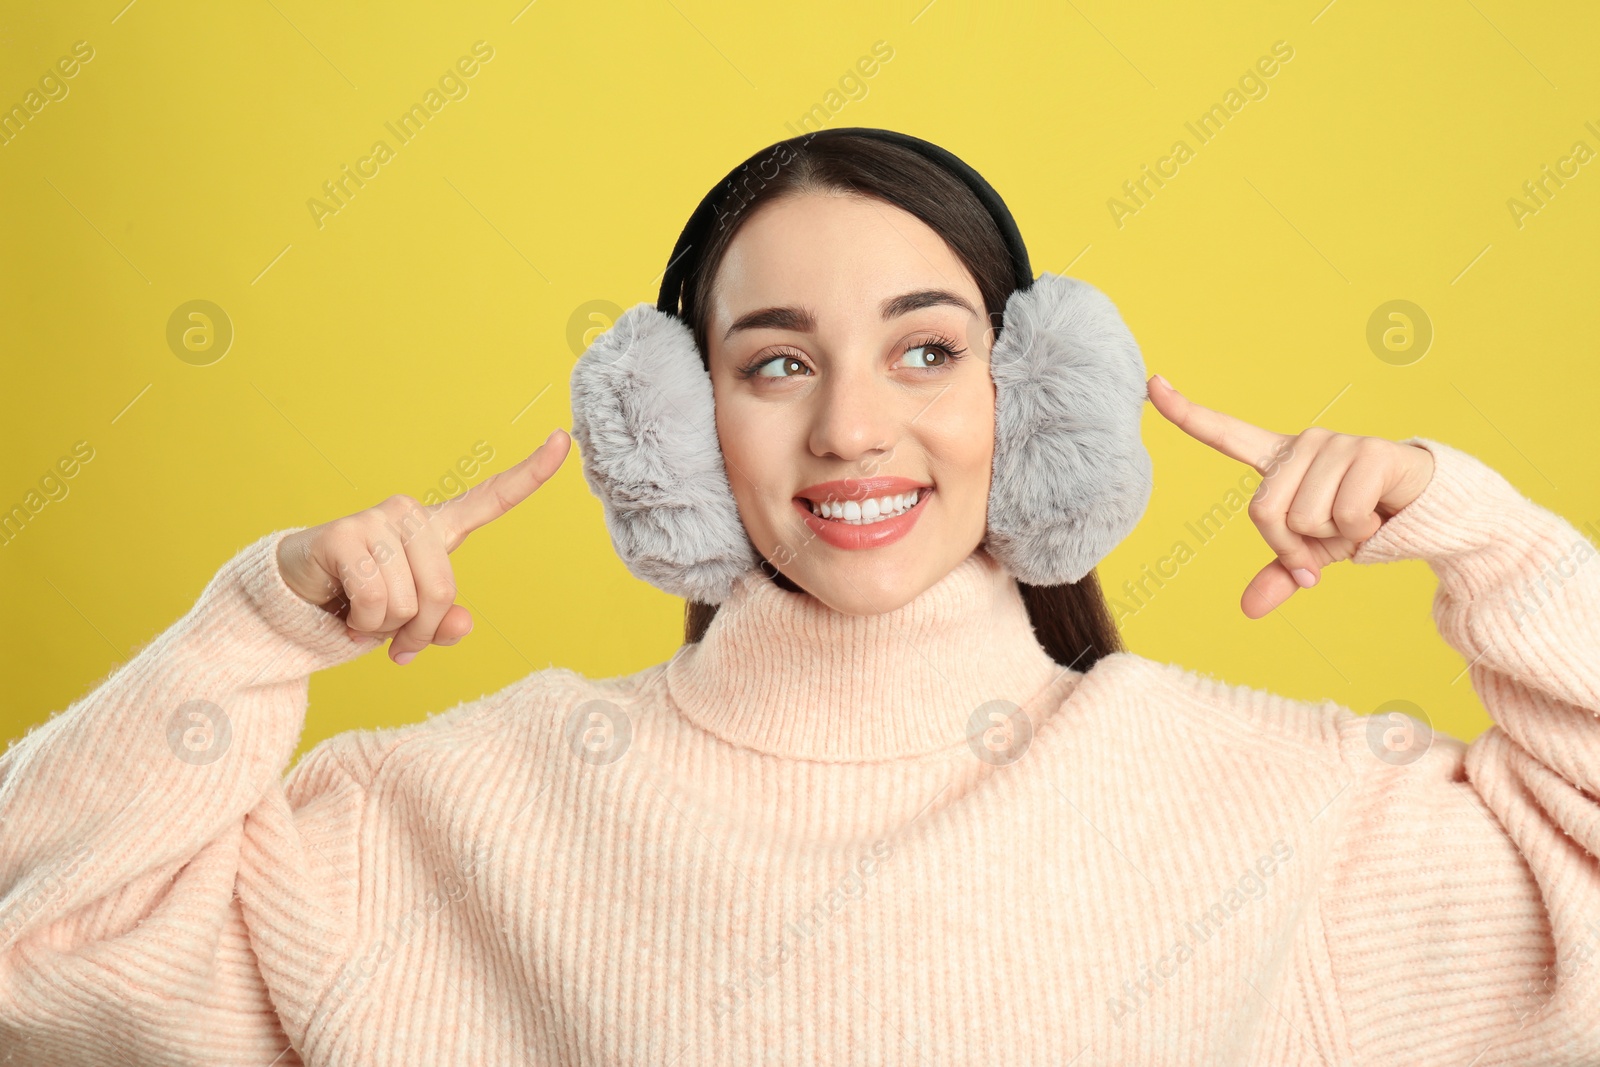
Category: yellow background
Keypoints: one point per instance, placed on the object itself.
(372, 353)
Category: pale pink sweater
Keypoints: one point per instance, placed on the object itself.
(782, 846)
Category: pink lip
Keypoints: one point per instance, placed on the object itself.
(872, 535)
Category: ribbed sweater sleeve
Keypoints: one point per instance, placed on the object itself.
(148, 844)
(1463, 901)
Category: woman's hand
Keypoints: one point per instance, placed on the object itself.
(1321, 495)
(386, 570)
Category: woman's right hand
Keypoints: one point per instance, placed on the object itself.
(386, 570)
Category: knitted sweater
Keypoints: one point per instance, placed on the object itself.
(822, 838)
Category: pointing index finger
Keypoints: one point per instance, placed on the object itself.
(1233, 437)
(498, 494)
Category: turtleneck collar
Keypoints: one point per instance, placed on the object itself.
(783, 673)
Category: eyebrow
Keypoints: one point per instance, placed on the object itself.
(802, 320)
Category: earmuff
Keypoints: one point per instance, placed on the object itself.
(1071, 476)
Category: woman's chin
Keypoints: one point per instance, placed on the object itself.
(884, 578)
(860, 586)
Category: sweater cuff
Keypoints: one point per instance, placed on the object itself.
(281, 608)
(1466, 510)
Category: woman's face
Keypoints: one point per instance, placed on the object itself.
(849, 355)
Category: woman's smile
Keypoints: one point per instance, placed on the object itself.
(863, 512)
(870, 510)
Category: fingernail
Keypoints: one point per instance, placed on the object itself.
(1304, 577)
(405, 657)
(1164, 383)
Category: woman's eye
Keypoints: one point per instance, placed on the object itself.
(922, 354)
(785, 362)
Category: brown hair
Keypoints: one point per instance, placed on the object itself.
(1073, 622)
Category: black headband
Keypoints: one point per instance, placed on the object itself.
(685, 254)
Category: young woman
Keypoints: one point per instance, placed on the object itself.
(788, 843)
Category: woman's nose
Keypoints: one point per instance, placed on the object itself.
(857, 413)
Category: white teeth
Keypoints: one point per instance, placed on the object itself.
(861, 513)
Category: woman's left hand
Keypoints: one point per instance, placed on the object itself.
(1321, 495)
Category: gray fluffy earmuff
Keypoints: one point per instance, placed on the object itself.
(643, 421)
(1071, 476)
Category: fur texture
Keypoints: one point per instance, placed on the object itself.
(643, 421)
(1071, 474)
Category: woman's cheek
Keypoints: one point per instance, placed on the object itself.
(751, 461)
(961, 447)
(963, 434)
